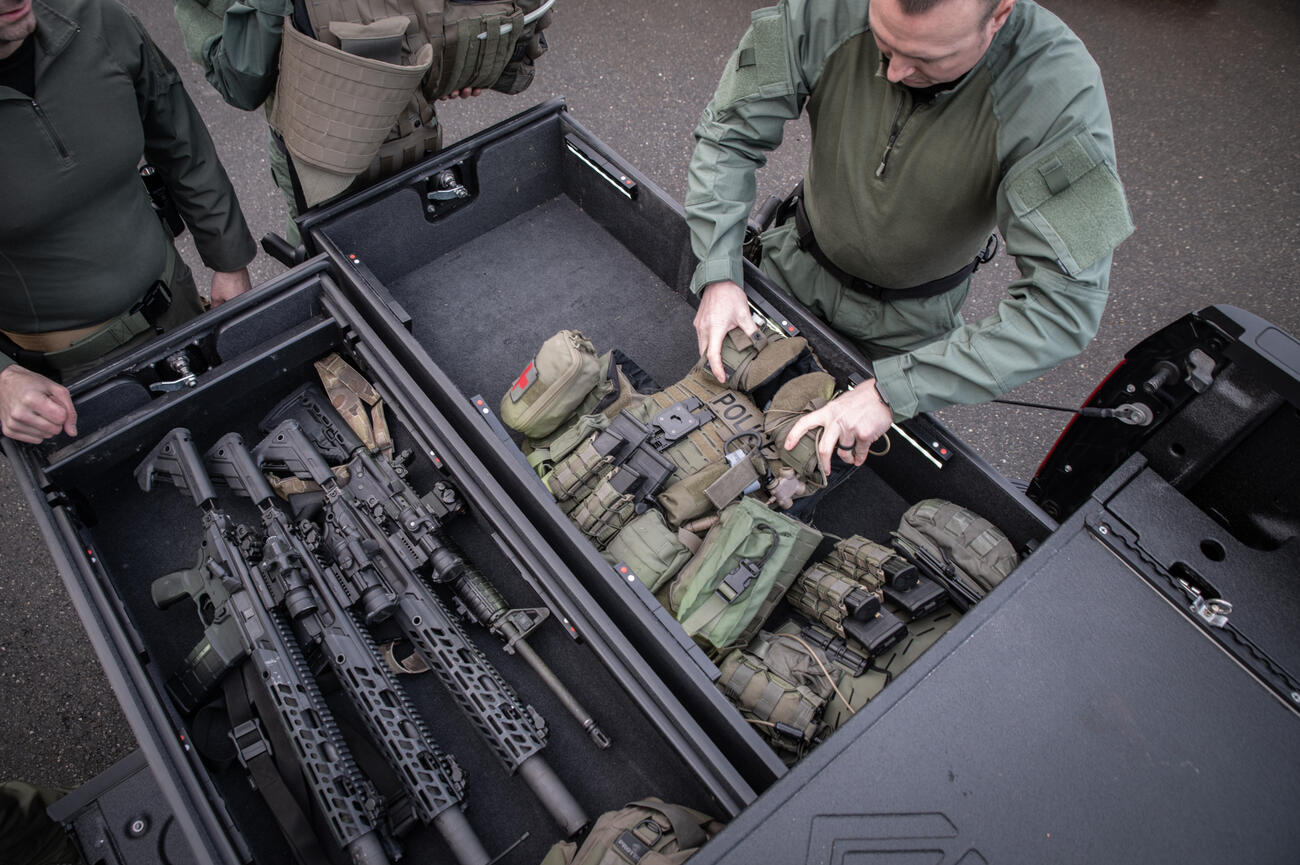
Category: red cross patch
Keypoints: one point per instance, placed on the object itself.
(525, 381)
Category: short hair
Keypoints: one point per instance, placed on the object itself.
(916, 7)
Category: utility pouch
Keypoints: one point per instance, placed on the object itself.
(688, 498)
(795, 399)
(759, 365)
(563, 373)
(649, 548)
(783, 683)
(647, 832)
(957, 538)
(740, 572)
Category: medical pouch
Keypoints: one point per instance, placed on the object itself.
(553, 385)
(649, 548)
(740, 572)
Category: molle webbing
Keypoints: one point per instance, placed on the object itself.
(733, 416)
(821, 593)
(334, 109)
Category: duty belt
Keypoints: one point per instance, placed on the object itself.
(143, 315)
(808, 243)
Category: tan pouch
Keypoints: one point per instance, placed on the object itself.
(553, 385)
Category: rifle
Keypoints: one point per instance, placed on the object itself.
(315, 598)
(347, 802)
(366, 555)
(413, 524)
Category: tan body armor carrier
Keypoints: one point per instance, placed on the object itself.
(358, 99)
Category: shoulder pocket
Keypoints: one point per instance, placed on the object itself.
(759, 65)
(1074, 200)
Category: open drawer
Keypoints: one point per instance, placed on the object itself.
(111, 540)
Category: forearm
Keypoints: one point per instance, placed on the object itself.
(178, 145)
(1047, 319)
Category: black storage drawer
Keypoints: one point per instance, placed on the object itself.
(111, 540)
(553, 231)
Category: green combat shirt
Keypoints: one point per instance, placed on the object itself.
(79, 240)
(1022, 143)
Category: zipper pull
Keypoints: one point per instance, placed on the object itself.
(880, 169)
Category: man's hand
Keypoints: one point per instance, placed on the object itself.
(229, 285)
(33, 408)
(464, 93)
(723, 306)
(852, 420)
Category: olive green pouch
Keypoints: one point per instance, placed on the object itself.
(795, 399)
(649, 548)
(553, 386)
(957, 536)
(745, 565)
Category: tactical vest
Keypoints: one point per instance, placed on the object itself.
(358, 98)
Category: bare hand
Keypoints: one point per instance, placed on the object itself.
(723, 306)
(851, 421)
(465, 93)
(33, 408)
(226, 286)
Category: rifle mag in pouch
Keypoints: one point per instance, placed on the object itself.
(549, 391)
(778, 681)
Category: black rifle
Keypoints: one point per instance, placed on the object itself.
(366, 555)
(413, 524)
(314, 597)
(347, 802)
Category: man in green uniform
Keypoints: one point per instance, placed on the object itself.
(933, 122)
(86, 266)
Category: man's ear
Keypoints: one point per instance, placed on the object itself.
(1001, 13)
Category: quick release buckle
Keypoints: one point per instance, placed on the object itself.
(633, 846)
(739, 578)
(250, 741)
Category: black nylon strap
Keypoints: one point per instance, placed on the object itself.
(808, 243)
(293, 821)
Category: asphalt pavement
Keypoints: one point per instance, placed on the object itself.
(1204, 96)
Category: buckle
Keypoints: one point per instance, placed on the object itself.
(156, 301)
(250, 741)
(990, 249)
